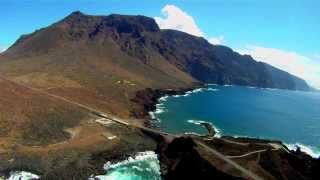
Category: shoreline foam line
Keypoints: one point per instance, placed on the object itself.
(159, 106)
(116, 169)
(22, 175)
(140, 156)
(310, 150)
(199, 123)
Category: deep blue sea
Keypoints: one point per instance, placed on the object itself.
(290, 116)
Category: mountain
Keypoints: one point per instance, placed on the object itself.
(112, 64)
(170, 53)
(104, 61)
(109, 58)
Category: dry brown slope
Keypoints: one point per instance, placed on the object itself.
(64, 59)
(46, 136)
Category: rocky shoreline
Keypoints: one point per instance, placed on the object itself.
(148, 98)
(305, 165)
(181, 157)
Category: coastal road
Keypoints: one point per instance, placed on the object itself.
(106, 116)
(245, 172)
(248, 154)
(274, 146)
(233, 142)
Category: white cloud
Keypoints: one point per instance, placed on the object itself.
(216, 40)
(175, 18)
(305, 67)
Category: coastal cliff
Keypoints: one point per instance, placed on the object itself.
(135, 44)
(120, 65)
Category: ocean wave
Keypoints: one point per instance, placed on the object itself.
(22, 175)
(271, 89)
(163, 98)
(159, 108)
(140, 156)
(188, 93)
(228, 85)
(152, 115)
(195, 91)
(312, 151)
(143, 161)
(159, 111)
(192, 133)
(199, 122)
(182, 95)
(212, 89)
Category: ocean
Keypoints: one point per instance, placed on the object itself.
(142, 166)
(290, 116)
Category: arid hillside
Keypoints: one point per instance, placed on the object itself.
(102, 61)
(53, 78)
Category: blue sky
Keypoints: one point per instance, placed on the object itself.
(282, 33)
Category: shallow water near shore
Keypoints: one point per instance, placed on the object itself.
(290, 116)
(143, 166)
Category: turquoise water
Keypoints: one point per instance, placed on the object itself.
(290, 116)
(144, 166)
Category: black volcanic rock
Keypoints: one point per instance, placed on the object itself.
(180, 160)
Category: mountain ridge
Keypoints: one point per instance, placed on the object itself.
(119, 65)
(140, 37)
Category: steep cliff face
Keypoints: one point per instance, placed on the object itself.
(138, 45)
(112, 64)
(220, 64)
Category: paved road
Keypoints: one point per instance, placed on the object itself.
(120, 121)
(233, 142)
(247, 154)
(274, 147)
(246, 172)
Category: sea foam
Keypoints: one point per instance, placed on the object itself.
(199, 122)
(140, 156)
(312, 151)
(163, 98)
(159, 108)
(22, 175)
(134, 167)
(212, 89)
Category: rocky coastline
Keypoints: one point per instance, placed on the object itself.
(147, 99)
(174, 151)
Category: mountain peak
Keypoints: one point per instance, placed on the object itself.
(76, 13)
(124, 23)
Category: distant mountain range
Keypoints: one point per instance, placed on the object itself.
(52, 78)
(140, 51)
